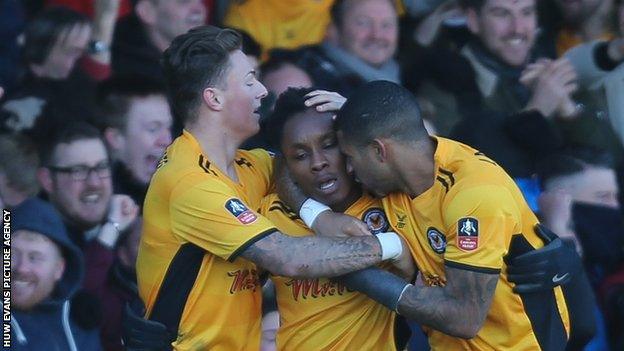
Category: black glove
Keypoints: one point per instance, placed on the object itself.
(544, 268)
(141, 334)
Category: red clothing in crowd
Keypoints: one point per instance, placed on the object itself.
(87, 6)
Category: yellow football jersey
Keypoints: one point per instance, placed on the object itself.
(472, 218)
(196, 221)
(285, 24)
(317, 314)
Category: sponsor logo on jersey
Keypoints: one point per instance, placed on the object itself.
(376, 220)
(468, 233)
(238, 209)
(401, 220)
(315, 288)
(437, 240)
(244, 279)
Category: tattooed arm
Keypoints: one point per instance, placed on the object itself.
(313, 256)
(458, 309)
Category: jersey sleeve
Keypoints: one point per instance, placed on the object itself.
(480, 222)
(207, 213)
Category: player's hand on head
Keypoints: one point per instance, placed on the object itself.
(330, 223)
(325, 101)
(542, 269)
(123, 210)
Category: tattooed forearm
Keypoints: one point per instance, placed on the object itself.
(459, 308)
(287, 190)
(313, 256)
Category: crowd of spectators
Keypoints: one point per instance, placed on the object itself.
(84, 120)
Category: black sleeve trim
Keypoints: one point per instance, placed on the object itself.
(250, 242)
(468, 267)
(602, 59)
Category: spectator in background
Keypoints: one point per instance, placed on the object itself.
(18, 169)
(577, 22)
(141, 37)
(120, 287)
(55, 42)
(47, 271)
(76, 176)
(135, 118)
(580, 203)
(362, 40)
(12, 23)
(518, 116)
(601, 75)
(511, 122)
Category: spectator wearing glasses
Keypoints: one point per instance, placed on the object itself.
(76, 176)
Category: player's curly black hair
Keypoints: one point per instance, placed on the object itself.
(288, 104)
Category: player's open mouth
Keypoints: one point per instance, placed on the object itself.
(328, 186)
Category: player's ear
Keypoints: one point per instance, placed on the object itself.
(213, 98)
(380, 150)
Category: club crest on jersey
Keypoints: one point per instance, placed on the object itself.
(468, 233)
(376, 220)
(437, 240)
(240, 211)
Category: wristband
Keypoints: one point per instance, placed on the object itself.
(391, 247)
(310, 210)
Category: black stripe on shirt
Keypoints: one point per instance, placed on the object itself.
(443, 182)
(449, 174)
(250, 242)
(176, 287)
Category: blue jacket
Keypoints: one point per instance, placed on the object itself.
(48, 326)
